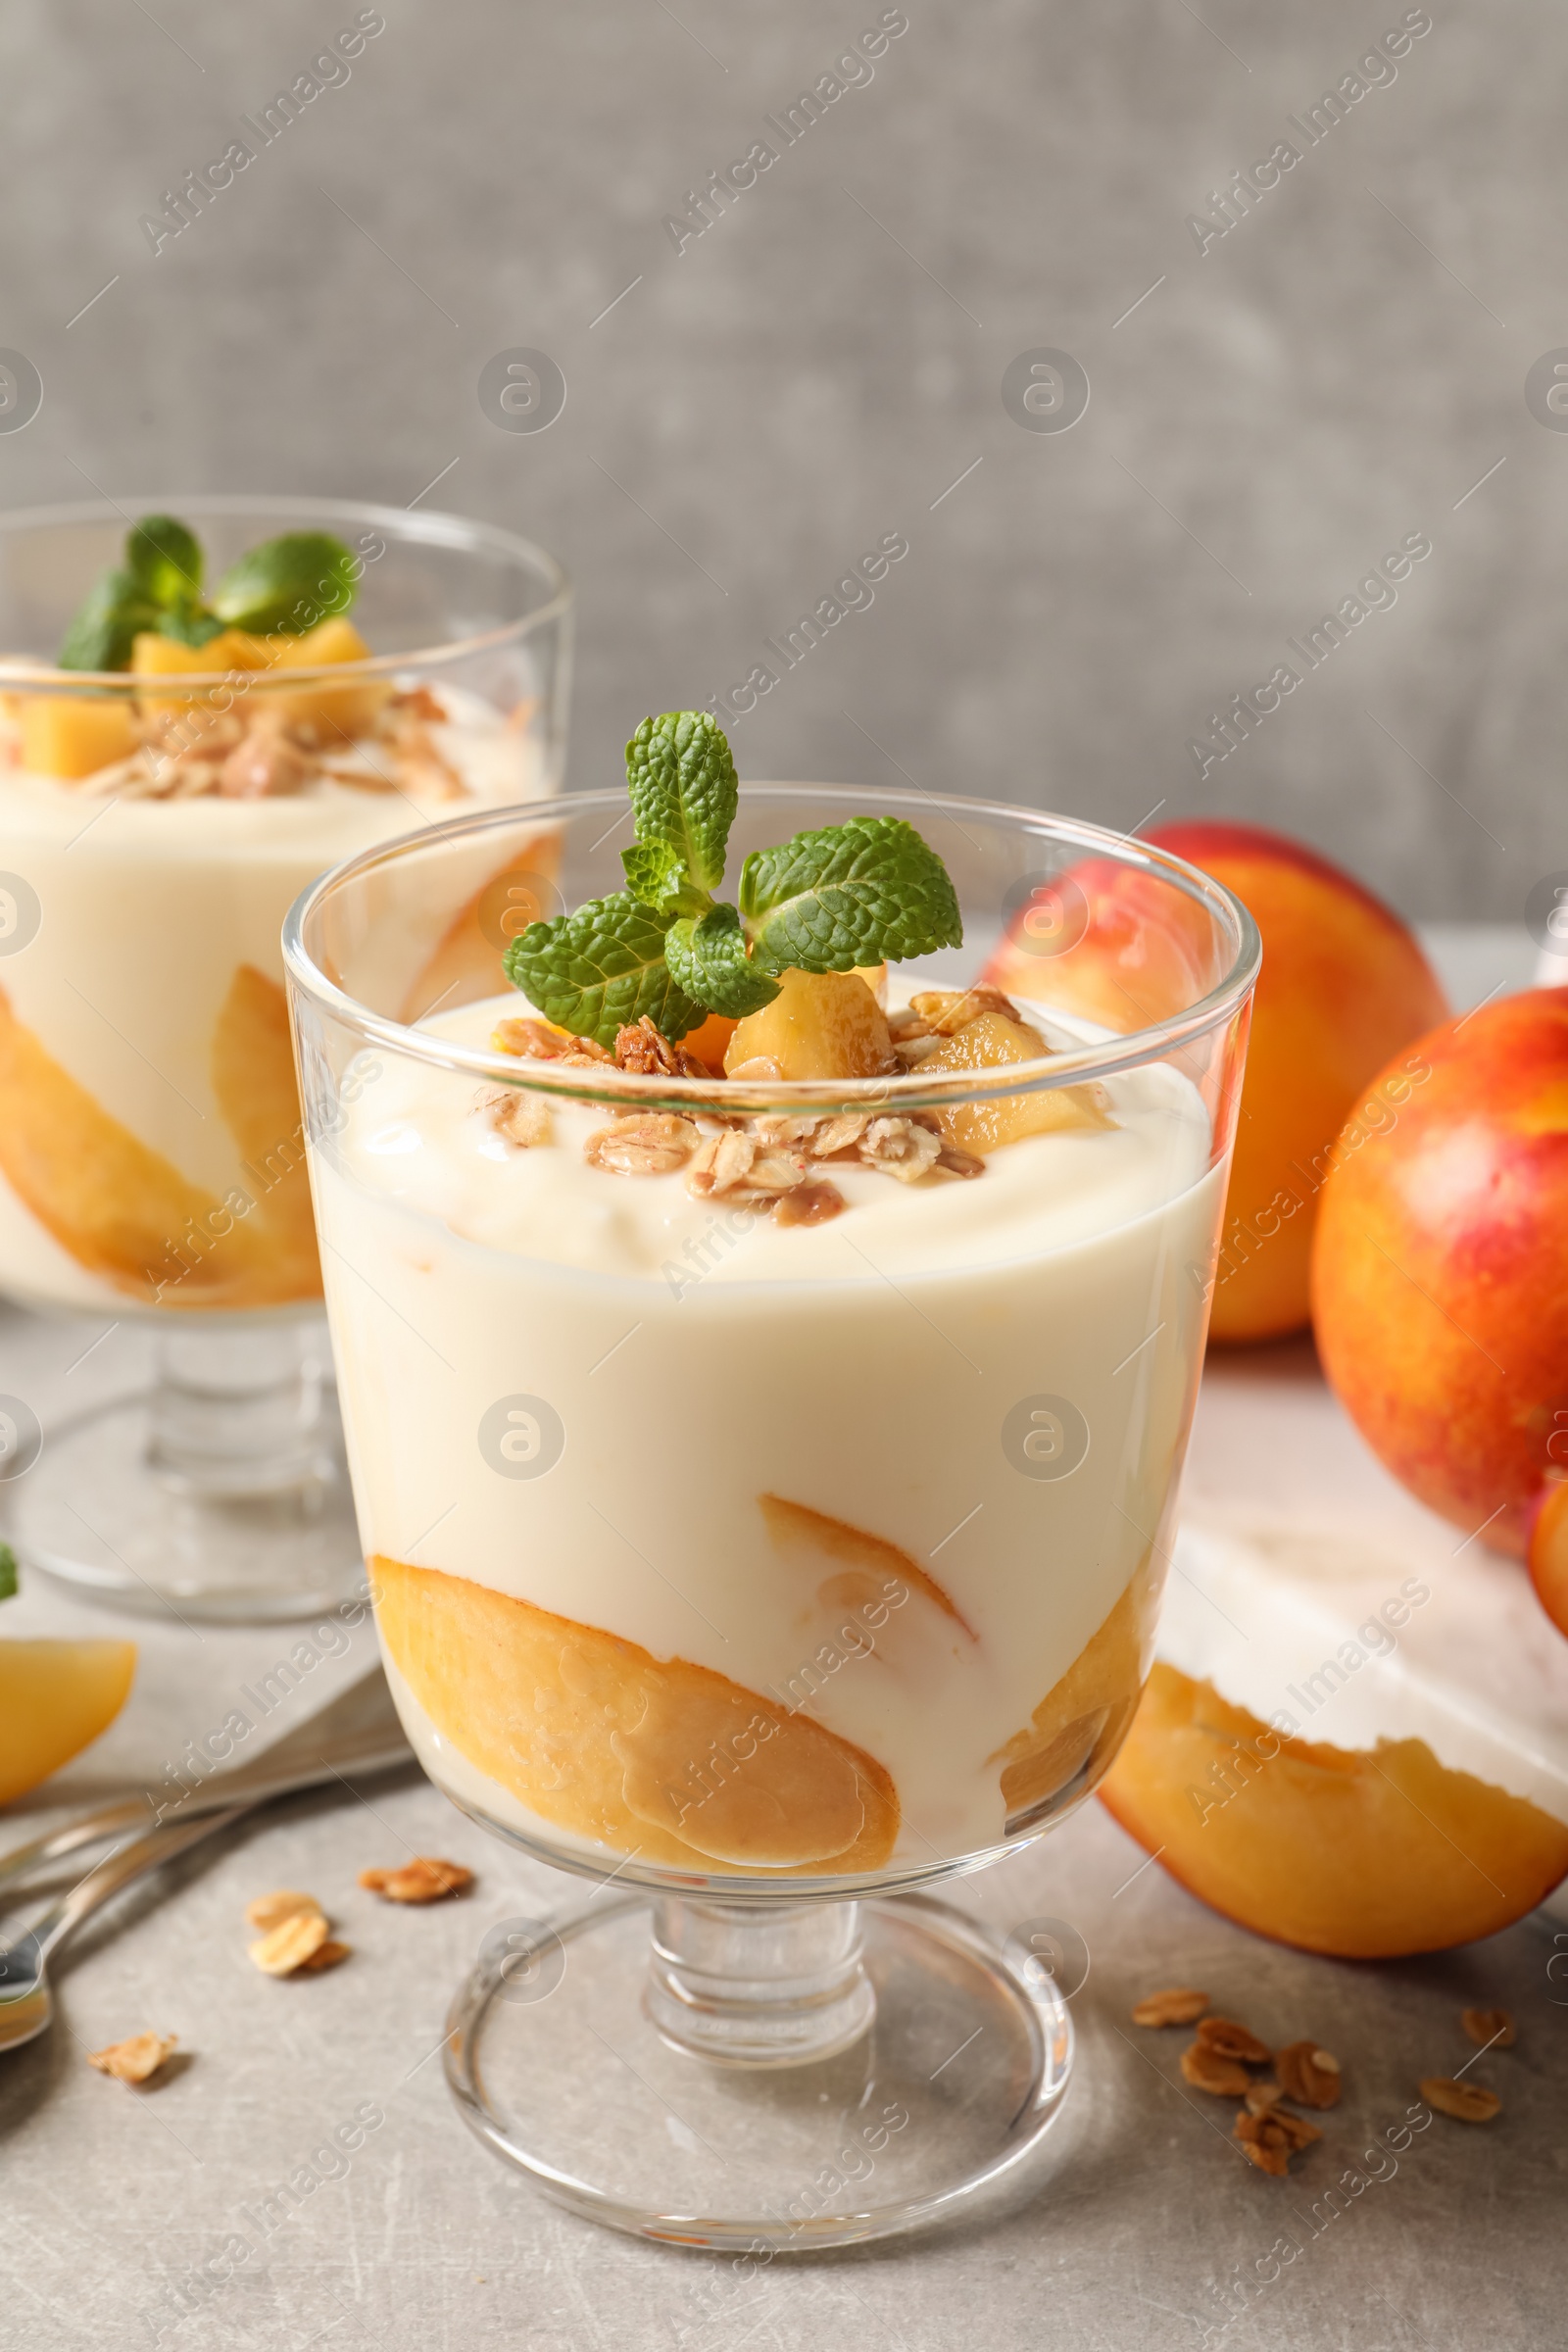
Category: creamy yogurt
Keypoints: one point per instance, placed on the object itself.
(148, 909)
(670, 1365)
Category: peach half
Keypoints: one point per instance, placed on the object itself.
(1366, 1854)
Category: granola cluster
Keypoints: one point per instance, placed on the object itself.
(937, 1013)
(759, 1162)
(776, 1163)
(261, 753)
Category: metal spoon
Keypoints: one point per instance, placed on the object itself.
(358, 1732)
(27, 2006)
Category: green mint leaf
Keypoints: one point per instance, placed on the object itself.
(287, 584)
(189, 624)
(652, 872)
(854, 894)
(707, 958)
(8, 1572)
(683, 790)
(100, 636)
(165, 560)
(594, 971)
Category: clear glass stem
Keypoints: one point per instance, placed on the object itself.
(759, 1984)
(242, 1408)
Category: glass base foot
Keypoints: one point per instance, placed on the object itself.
(95, 1511)
(568, 2054)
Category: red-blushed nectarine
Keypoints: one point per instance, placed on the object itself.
(1547, 1552)
(1440, 1278)
(1366, 1854)
(1344, 985)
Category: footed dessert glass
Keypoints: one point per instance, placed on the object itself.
(768, 1549)
(155, 823)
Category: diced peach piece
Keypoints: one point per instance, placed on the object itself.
(1368, 1855)
(70, 735)
(55, 1697)
(330, 714)
(710, 1041)
(153, 655)
(819, 1025)
(334, 640)
(991, 1042)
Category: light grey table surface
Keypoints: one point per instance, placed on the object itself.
(113, 2202)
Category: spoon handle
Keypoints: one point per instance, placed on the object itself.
(117, 1871)
(251, 1784)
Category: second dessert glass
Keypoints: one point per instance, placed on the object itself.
(156, 827)
(769, 1572)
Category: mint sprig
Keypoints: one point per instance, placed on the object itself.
(709, 961)
(598, 970)
(866, 892)
(8, 1572)
(284, 586)
(684, 791)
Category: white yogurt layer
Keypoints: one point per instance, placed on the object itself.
(149, 908)
(696, 1359)
(1318, 1595)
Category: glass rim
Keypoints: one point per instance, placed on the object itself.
(630, 1091)
(433, 526)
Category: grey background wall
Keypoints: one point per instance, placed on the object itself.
(824, 367)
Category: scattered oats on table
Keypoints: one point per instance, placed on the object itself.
(269, 1910)
(1206, 2069)
(1308, 2075)
(1466, 2102)
(135, 2060)
(325, 1955)
(1177, 2005)
(1227, 2039)
(424, 1879)
(1270, 2139)
(285, 1948)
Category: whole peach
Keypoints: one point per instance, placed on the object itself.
(1440, 1277)
(1344, 985)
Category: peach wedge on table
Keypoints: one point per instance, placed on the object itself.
(55, 1699)
(1368, 1855)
